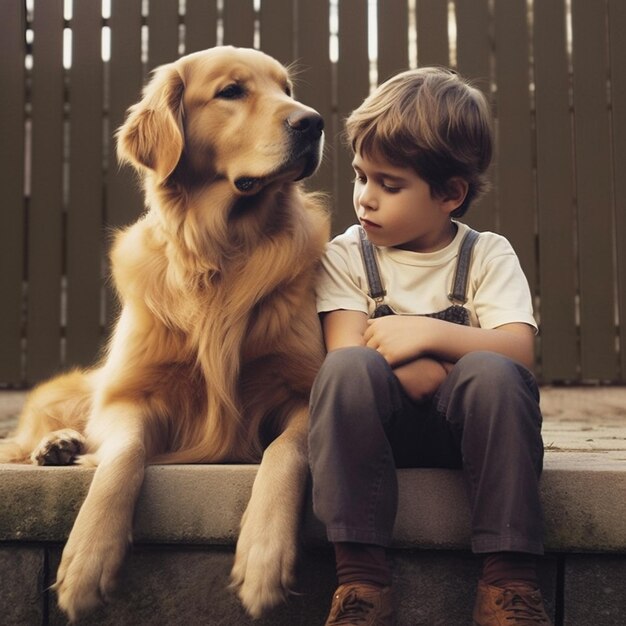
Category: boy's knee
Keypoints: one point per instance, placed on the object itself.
(482, 362)
(494, 387)
(353, 362)
(355, 379)
(494, 371)
(493, 384)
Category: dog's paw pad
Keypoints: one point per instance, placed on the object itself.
(59, 448)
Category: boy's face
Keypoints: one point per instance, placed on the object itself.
(396, 208)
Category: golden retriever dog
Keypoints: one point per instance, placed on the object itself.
(218, 341)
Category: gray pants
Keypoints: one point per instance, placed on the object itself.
(484, 419)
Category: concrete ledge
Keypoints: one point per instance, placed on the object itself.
(583, 496)
(187, 521)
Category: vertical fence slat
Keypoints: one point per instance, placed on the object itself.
(277, 29)
(84, 219)
(200, 25)
(473, 62)
(473, 40)
(515, 187)
(239, 23)
(162, 33)
(393, 38)
(45, 213)
(12, 76)
(593, 187)
(559, 342)
(123, 200)
(617, 26)
(314, 84)
(352, 88)
(432, 33)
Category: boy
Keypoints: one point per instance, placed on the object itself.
(430, 333)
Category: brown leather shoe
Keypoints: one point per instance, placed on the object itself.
(517, 605)
(361, 604)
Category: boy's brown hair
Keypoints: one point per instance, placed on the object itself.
(432, 121)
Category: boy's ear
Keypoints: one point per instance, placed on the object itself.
(455, 193)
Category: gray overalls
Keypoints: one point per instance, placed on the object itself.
(484, 420)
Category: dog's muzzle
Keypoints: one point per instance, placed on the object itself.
(305, 129)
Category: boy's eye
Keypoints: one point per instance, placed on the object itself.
(390, 189)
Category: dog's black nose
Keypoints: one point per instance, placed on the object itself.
(307, 122)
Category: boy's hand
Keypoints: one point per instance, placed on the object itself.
(404, 338)
(397, 337)
(422, 377)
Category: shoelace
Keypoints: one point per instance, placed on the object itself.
(522, 608)
(352, 609)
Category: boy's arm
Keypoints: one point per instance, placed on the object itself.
(419, 378)
(343, 328)
(402, 338)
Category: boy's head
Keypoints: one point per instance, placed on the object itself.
(432, 121)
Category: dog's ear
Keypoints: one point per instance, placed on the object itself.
(152, 135)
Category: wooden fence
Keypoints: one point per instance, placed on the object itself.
(554, 70)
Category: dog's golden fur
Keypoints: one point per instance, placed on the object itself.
(217, 342)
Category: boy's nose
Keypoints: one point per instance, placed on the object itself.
(366, 200)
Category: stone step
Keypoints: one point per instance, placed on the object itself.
(188, 516)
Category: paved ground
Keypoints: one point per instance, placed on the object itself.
(582, 419)
(585, 419)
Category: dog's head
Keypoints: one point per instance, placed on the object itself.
(224, 113)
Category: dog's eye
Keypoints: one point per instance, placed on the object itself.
(288, 90)
(231, 92)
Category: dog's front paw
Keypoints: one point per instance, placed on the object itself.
(88, 571)
(264, 570)
(60, 447)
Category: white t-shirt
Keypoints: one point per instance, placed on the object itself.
(419, 282)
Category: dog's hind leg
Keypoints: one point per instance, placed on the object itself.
(265, 560)
(52, 410)
(101, 534)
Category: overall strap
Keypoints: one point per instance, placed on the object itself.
(461, 275)
(377, 291)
